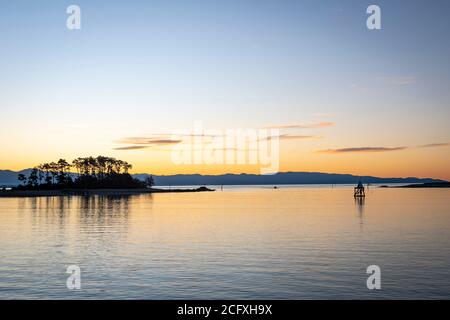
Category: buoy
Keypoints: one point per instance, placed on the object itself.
(359, 190)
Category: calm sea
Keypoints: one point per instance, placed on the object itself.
(243, 243)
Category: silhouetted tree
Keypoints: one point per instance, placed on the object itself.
(21, 177)
(149, 182)
(63, 174)
(99, 172)
(33, 179)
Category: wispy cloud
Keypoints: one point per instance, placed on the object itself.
(302, 125)
(131, 148)
(135, 143)
(434, 145)
(383, 149)
(290, 137)
(398, 80)
(363, 149)
(138, 143)
(150, 141)
(297, 137)
(174, 134)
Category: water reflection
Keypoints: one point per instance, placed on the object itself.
(87, 210)
(360, 203)
(248, 243)
(104, 210)
(46, 210)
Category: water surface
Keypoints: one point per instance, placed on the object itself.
(241, 243)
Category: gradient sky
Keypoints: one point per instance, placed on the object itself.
(140, 68)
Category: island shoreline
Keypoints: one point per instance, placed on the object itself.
(93, 192)
(427, 185)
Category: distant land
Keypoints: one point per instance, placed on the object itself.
(9, 178)
(428, 185)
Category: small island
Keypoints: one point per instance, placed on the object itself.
(94, 176)
(443, 184)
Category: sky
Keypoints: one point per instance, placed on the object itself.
(344, 99)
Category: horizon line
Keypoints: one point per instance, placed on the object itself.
(268, 175)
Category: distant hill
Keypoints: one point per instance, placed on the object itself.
(277, 179)
(8, 177)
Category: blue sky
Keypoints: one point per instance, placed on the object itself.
(144, 66)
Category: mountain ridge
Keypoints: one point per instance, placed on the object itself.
(9, 177)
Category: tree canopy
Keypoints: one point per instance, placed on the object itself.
(91, 173)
